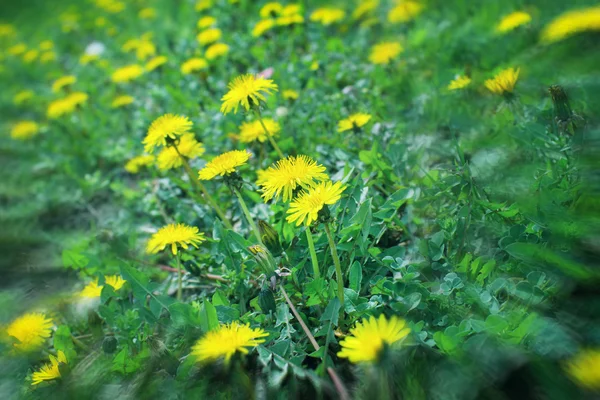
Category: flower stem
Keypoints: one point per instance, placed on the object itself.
(178, 277)
(313, 253)
(271, 140)
(247, 214)
(336, 262)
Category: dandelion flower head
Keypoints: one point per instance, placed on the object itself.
(357, 120)
(584, 369)
(513, 21)
(216, 50)
(246, 90)
(174, 235)
(122, 101)
(404, 11)
(459, 82)
(134, 165)
(62, 82)
(193, 64)
(223, 164)
(92, 289)
(225, 341)
(571, 23)
(24, 130)
(383, 53)
(327, 15)
(187, 146)
(127, 73)
(155, 62)
(254, 131)
(31, 331)
(166, 126)
(206, 22)
(49, 371)
(305, 208)
(208, 36)
(504, 82)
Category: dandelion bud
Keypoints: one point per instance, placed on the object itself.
(562, 109)
(266, 301)
(109, 344)
(264, 258)
(269, 238)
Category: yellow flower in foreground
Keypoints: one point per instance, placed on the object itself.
(66, 105)
(327, 15)
(155, 62)
(571, 23)
(247, 91)
(286, 175)
(223, 164)
(24, 130)
(354, 121)
(226, 341)
(93, 290)
(62, 82)
(127, 73)
(512, 21)
(504, 82)
(174, 235)
(166, 126)
(209, 36)
(193, 64)
(290, 94)
(584, 369)
(252, 131)
(305, 208)
(122, 101)
(263, 26)
(271, 9)
(31, 331)
(370, 335)
(50, 371)
(216, 50)
(383, 53)
(187, 146)
(405, 11)
(23, 96)
(206, 22)
(460, 82)
(133, 166)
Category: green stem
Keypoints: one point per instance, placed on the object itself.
(313, 253)
(178, 277)
(336, 262)
(271, 140)
(247, 214)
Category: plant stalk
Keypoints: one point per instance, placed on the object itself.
(336, 262)
(179, 273)
(247, 214)
(271, 140)
(313, 253)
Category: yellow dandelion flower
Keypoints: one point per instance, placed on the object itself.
(226, 341)
(223, 164)
(584, 369)
(204, 5)
(369, 337)
(88, 58)
(130, 45)
(155, 62)
(24, 130)
(188, 146)
(290, 94)
(62, 82)
(193, 65)
(354, 121)
(286, 175)
(127, 73)
(253, 131)
(174, 235)
(110, 6)
(93, 290)
(147, 13)
(46, 45)
(50, 371)
(271, 9)
(286, 20)
(100, 22)
(122, 101)
(383, 53)
(206, 22)
(47, 56)
(23, 96)
(504, 82)
(305, 208)
(263, 26)
(327, 15)
(208, 36)
(404, 11)
(115, 281)
(513, 21)
(247, 91)
(30, 56)
(30, 330)
(291, 9)
(459, 82)
(134, 165)
(17, 49)
(66, 105)
(7, 30)
(364, 8)
(77, 98)
(571, 23)
(166, 126)
(216, 50)
(145, 49)
(314, 66)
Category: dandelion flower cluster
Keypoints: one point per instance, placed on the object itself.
(127, 73)
(369, 336)
(93, 290)
(513, 21)
(354, 121)
(31, 331)
(305, 208)
(24, 130)
(459, 82)
(385, 52)
(584, 369)
(134, 165)
(50, 371)
(223, 164)
(247, 91)
(504, 82)
(187, 146)
(166, 126)
(253, 131)
(66, 105)
(275, 14)
(572, 23)
(174, 235)
(283, 177)
(327, 15)
(227, 340)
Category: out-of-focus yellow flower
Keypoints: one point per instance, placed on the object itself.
(174, 235)
(147, 13)
(47, 56)
(253, 131)
(193, 65)
(247, 91)
(30, 56)
(155, 62)
(364, 8)
(305, 208)
(100, 22)
(286, 20)
(110, 6)
(17, 49)
(122, 101)
(127, 73)
(369, 337)
(93, 290)
(130, 45)
(88, 58)
(49, 371)
(69, 21)
(24, 130)
(271, 10)
(46, 45)
(383, 53)
(208, 36)
(227, 340)
(327, 15)
(145, 49)
(66, 105)
(7, 30)
(571, 23)
(202, 5)
(354, 121)
(134, 165)
(512, 21)
(206, 22)
(263, 26)
(187, 146)
(30, 331)
(290, 94)
(584, 369)
(314, 66)
(504, 82)
(165, 127)
(223, 164)
(216, 50)
(62, 82)
(23, 96)
(459, 82)
(404, 11)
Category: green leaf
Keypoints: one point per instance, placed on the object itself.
(208, 316)
(74, 259)
(62, 341)
(355, 276)
(536, 254)
(495, 324)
